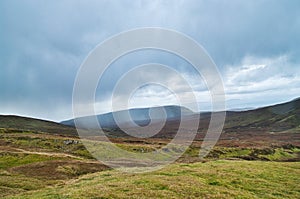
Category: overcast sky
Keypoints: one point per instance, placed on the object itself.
(255, 45)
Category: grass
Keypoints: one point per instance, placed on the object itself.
(8, 160)
(102, 149)
(216, 179)
(17, 123)
(43, 176)
(281, 154)
(266, 154)
(33, 141)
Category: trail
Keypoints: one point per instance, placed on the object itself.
(52, 154)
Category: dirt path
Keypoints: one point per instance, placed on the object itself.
(52, 154)
(49, 154)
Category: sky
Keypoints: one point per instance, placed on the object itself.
(255, 45)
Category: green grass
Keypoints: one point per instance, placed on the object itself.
(8, 160)
(17, 123)
(232, 152)
(55, 144)
(108, 151)
(102, 149)
(21, 182)
(282, 154)
(269, 153)
(136, 148)
(216, 179)
(11, 184)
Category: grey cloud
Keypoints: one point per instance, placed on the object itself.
(43, 43)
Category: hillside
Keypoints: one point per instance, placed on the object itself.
(276, 118)
(42, 165)
(272, 119)
(217, 179)
(36, 125)
(42, 159)
(141, 116)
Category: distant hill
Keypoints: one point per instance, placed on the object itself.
(280, 117)
(35, 125)
(140, 116)
(277, 118)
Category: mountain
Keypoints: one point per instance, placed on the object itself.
(276, 118)
(140, 116)
(279, 117)
(35, 125)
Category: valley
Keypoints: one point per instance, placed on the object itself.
(257, 156)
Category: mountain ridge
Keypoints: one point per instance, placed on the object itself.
(140, 116)
(275, 118)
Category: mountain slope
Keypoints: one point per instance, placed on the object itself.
(275, 118)
(141, 116)
(280, 117)
(35, 125)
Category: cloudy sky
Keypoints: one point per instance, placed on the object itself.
(255, 45)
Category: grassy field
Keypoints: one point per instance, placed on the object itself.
(216, 179)
(39, 165)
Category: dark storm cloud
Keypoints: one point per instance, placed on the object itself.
(43, 44)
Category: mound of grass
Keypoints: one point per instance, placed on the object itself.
(35, 142)
(281, 154)
(14, 184)
(8, 160)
